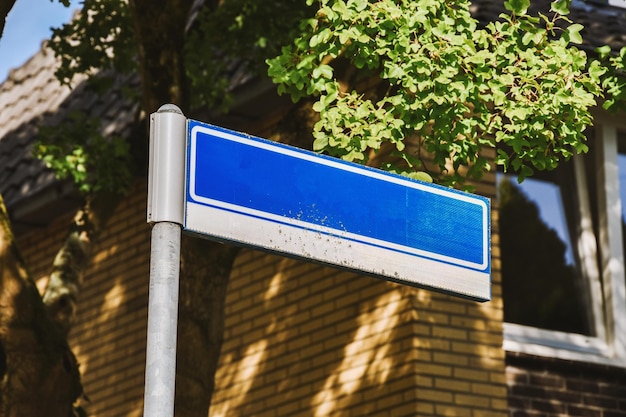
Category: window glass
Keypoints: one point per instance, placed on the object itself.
(541, 276)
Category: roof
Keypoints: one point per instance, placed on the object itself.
(31, 96)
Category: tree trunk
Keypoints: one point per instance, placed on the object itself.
(38, 372)
(160, 35)
(5, 8)
(205, 272)
(61, 293)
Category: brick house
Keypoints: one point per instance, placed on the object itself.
(306, 340)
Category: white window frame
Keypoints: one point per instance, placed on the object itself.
(607, 303)
(615, 3)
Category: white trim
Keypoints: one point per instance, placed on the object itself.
(246, 212)
(618, 3)
(560, 345)
(588, 251)
(611, 247)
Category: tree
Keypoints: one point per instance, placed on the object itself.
(520, 82)
(5, 8)
(390, 83)
(105, 39)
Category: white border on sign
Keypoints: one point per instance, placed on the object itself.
(328, 248)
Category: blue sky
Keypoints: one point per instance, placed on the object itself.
(547, 197)
(27, 25)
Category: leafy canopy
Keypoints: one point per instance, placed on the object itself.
(518, 82)
(77, 149)
(100, 42)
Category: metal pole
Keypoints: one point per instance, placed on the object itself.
(162, 320)
(166, 177)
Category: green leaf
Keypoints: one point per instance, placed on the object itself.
(320, 143)
(320, 38)
(574, 33)
(325, 71)
(527, 38)
(561, 7)
(420, 176)
(603, 51)
(518, 7)
(319, 106)
(596, 70)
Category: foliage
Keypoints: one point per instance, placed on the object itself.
(100, 37)
(97, 39)
(519, 84)
(613, 82)
(237, 35)
(518, 81)
(220, 39)
(77, 149)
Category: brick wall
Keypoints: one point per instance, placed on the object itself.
(550, 387)
(305, 340)
(301, 339)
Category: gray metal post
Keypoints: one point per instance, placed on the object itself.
(166, 178)
(162, 321)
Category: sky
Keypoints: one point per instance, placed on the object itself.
(27, 25)
(547, 197)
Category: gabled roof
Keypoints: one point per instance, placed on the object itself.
(31, 96)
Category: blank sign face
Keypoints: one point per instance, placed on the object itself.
(258, 193)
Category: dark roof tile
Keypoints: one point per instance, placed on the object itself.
(32, 97)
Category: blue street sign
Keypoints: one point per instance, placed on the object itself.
(267, 195)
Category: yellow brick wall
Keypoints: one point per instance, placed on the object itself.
(306, 340)
(300, 340)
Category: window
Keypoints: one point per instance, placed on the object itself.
(563, 244)
(543, 286)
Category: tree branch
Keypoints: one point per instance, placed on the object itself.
(5, 8)
(61, 293)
